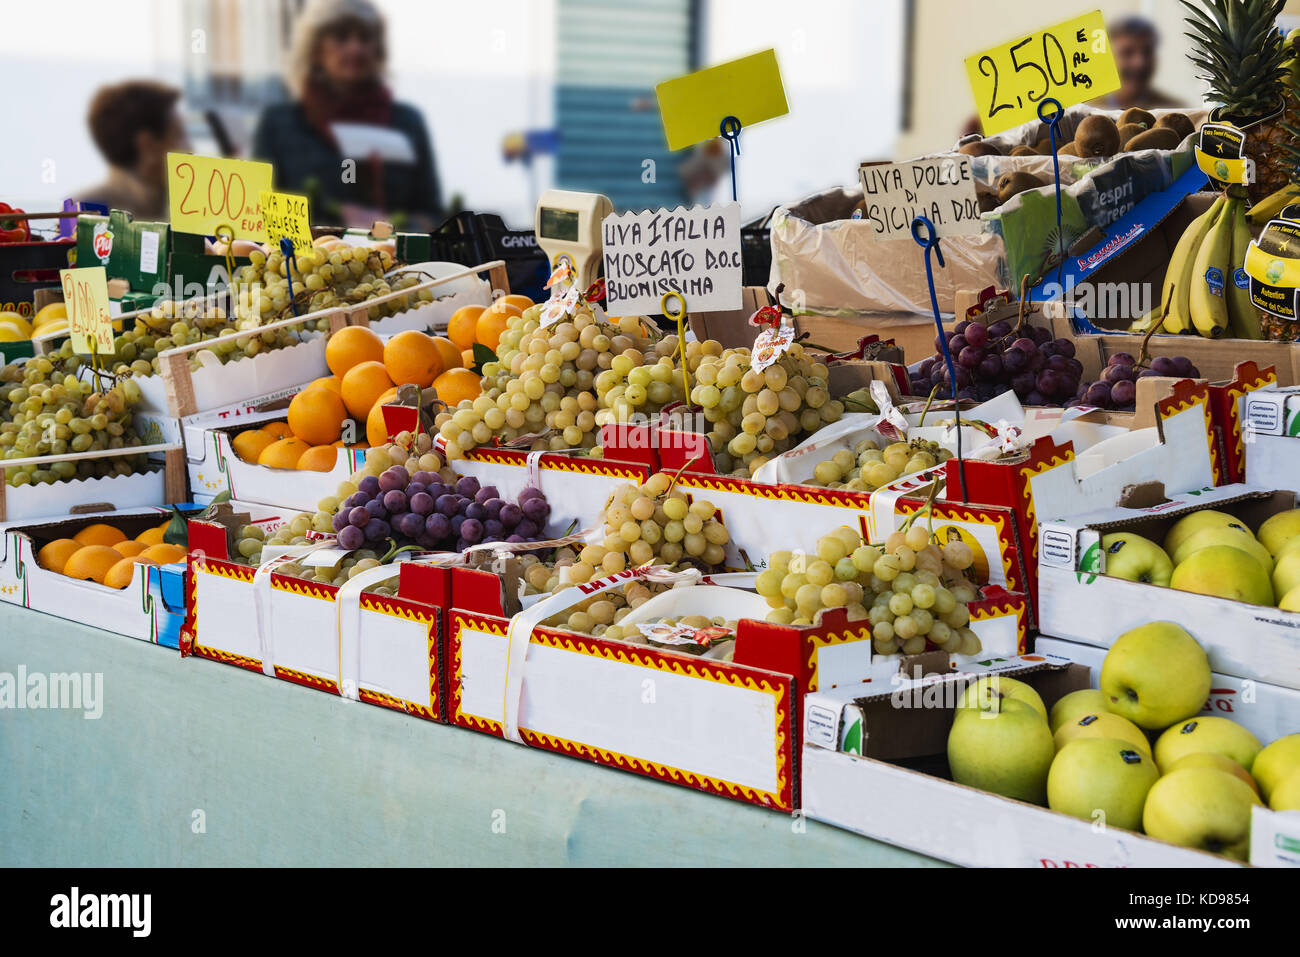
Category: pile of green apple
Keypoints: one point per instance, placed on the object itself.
(1213, 553)
(1092, 756)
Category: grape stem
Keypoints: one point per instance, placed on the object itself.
(928, 403)
(1142, 361)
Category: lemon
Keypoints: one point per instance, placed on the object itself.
(9, 317)
(50, 313)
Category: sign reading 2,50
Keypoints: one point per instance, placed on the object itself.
(1049, 78)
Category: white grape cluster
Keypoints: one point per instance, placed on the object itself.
(912, 591)
(869, 467)
(655, 523)
(757, 415)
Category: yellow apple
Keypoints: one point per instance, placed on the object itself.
(1101, 779)
(1286, 796)
(1075, 705)
(1136, 559)
(1291, 600)
(1189, 525)
(1276, 762)
(1238, 536)
(1224, 572)
(1201, 808)
(1278, 529)
(1155, 674)
(1103, 725)
(1286, 573)
(1211, 759)
(979, 693)
(1004, 747)
(1212, 733)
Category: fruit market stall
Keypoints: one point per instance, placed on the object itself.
(1013, 558)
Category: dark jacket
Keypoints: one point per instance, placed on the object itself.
(304, 157)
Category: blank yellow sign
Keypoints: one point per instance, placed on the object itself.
(694, 106)
(206, 193)
(85, 295)
(1070, 62)
(285, 214)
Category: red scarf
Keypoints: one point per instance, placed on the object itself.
(371, 104)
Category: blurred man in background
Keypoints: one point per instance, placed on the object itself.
(343, 111)
(135, 125)
(1133, 41)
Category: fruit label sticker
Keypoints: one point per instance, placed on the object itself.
(285, 215)
(1272, 266)
(1214, 279)
(940, 188)
(90, 319)
(693, 252)
(693, 106)
(205, 192)
(1219, 155)
(770, 345)
(1070, 62)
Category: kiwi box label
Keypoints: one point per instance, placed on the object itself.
(941, 189)
(1070, 62)
(694, 252)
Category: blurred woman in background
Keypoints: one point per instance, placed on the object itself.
(343, 141)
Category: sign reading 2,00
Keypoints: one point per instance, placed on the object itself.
(1071, 62)
(208, 194)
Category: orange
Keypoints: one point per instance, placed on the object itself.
(56, 554)
(248, 444)
(351, 346)
(467, 359)
(278, 430)
(462, 326)
(162, 554)
(283, 454)
(490, 326)
(455, 385)
(519, 302)
(376, 431)
(99, 534)
(451, 356)
(316, 416)
(411, 356)
(91, 563)
(120, 575)
(319, 458)
(130, 548)
(362, 385)
(152, 536)
(330, 382)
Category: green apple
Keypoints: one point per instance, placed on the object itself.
(1136, 559)
(979, 693)
(1286, 573)
(1075, 705)
(1238, 536)
(1291, 600)
(1286, 796)
(1101, 779)
(1224, 572)
(1275, 762)
(1220, 735)
(1004, 747)
(1189, 525)
(1201, 808)
(1278, 529)
(1155, 674)
(1211, 759)
(1102, 725)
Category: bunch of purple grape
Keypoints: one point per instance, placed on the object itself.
(421, 509)
(995, 358)
(1117, 387)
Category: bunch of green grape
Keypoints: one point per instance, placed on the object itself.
(912, 591)
(869, 467)
(757, 415)
(44, 411)
(654, 523)
(322, 279)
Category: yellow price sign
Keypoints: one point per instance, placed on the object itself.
(694, 106)
(85, 295)
(1070, 62)
(207, 192)
(286, 214)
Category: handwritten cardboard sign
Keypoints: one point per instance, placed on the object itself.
(286, 215)
(208, 192)
(90, 321)
(940, 188)
(694, 252)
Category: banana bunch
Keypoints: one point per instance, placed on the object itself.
(1205, 289)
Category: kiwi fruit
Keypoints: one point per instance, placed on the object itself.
(1136, 115)
(1009, 184)
(987, 202)
(1043, 147)
(1127, 131)
(979, 148)
(1024, 151)
(1160, 138)
(1069, 149)
(1096, 135)
(1178, 122)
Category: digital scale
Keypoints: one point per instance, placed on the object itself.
(568, 228)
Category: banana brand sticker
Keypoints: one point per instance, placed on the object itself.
(1214, 279)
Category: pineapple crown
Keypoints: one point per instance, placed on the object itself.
(1241, 53)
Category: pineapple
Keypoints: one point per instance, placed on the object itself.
(1241, 54)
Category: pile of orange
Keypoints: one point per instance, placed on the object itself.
(104, 554)
(483, 324)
